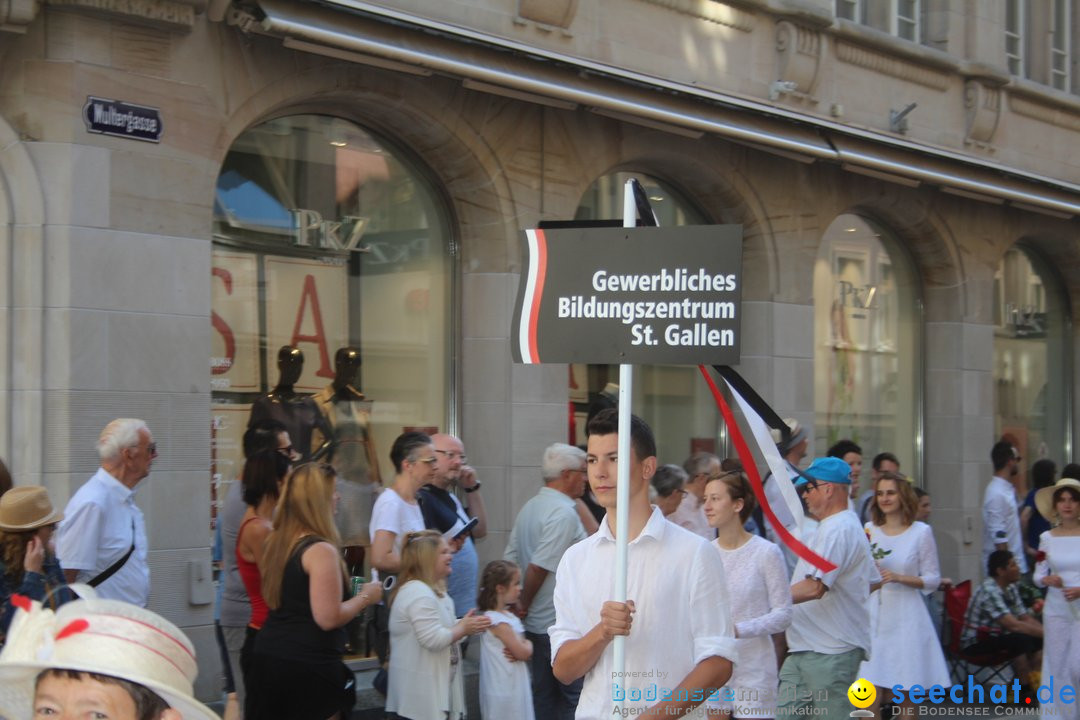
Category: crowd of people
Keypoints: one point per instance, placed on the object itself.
(721, 619)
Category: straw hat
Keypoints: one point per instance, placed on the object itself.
(27, 508)
(1044, 497)
(107, 637)
(797, 433)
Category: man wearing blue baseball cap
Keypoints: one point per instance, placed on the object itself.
(830, 626)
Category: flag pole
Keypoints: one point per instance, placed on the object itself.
(622, 490)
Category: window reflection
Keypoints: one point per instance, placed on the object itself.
(866, 368)
(1030, 385)
(326, 238)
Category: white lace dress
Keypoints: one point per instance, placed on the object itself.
(760, 596)
(905, 649)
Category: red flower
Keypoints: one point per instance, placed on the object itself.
(1040, 556)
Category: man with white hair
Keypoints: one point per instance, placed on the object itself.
(547, 525)
(102, 540)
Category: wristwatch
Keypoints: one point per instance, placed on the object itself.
(474, 488)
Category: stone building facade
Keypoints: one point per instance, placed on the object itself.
(920, 153)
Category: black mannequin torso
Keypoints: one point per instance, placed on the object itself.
(296, 411)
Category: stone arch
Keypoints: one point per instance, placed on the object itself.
(1060, 254)
(22, 369)
(466, 171)
(929, 244)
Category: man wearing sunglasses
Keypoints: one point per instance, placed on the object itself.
(830, 625)
(102, 540)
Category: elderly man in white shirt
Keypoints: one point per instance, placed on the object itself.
(830, 624)
(680, 642)
(1001, 517)
(102, 539)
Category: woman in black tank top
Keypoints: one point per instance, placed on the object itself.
(297, 672)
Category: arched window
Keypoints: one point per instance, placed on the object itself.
(1031, 388)
(672, 399)
(867, 332)
(328, 240)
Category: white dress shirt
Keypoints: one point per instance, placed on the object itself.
(100, 521)
(682, 615)
(1001, 521)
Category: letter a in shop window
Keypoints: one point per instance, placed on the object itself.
(319, 338)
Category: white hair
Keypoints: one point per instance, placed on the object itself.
(120, 434)
(558, 458)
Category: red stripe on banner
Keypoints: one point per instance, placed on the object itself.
(747, 461)
(538, 293)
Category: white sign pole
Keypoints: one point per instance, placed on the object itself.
(622, 490)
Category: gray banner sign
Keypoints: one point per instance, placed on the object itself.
(668, 295)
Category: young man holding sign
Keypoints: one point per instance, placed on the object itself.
(680, 642)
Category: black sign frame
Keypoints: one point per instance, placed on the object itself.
(117, 118)
(645, 295)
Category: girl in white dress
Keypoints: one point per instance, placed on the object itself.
(504, 677)
(1058, 569)
(904, 646)
(760, 595)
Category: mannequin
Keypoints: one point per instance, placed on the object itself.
(298, 412)
(350, 446)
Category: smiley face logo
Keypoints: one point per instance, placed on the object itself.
(862, 693)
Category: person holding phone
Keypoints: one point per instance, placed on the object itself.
(28, 564)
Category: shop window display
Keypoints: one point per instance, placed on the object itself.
(1031, 388)
(867, 336)
(330, 302)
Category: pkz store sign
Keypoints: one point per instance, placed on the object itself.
(311, 230)
(630, 295)
(122, 119)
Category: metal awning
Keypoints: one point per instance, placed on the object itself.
(371, 34)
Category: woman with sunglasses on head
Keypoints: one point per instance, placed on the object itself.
(296, 667)
(28, 564)
(1058, 568)
(905, 649)
(425, 681)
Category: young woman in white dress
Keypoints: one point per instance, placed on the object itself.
(904, 646)
(505, 691)
(1058, 569)
(760, 595)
